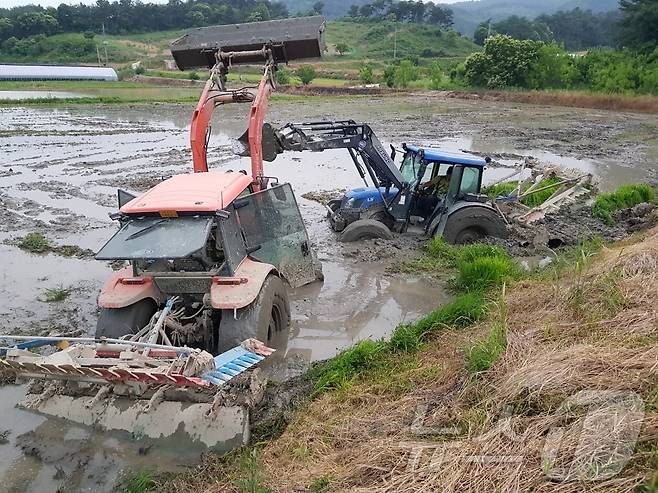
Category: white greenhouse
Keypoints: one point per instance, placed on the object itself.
(55, 72)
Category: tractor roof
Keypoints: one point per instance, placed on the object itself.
(198, 192)
(432, 154)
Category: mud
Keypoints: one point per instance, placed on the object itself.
(59, 172)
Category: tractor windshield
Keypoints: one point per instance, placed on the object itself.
(410, 167)
(149, 238)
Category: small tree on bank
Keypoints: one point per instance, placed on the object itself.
(306, 73)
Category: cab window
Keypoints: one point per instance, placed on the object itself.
(470, 181)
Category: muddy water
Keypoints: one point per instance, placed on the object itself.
(59, 169)
(16, 95)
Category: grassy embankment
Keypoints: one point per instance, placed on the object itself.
(514, 359)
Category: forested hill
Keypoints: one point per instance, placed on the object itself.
(333, 9)
(467, 15)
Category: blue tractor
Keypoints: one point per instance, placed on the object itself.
(435, 192)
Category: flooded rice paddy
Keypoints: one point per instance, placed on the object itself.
(59, 170)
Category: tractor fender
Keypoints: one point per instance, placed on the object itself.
(242, 289)
(123, 289)
(480, 219)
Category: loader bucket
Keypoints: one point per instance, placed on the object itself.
(270, 144)
(291, 39)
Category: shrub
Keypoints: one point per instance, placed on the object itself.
(139, 70)
(389, 75)
(437, 79)
(342, 48)
(306, 73)
(624, 197)
(282, 76)
(193, 76)
(405, 73)
(366, 74)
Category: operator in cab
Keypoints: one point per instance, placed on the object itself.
(433, 191)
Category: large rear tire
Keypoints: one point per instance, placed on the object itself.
(471, 224)
(365, 229)
(266, 319)
(114, 323)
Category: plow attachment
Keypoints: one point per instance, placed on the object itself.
(146, 389)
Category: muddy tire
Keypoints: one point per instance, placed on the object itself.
(266, 319)
(365, 229)
(334, 205)
(116, 322)
(472, 224)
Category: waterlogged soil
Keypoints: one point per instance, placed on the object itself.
(59, 170)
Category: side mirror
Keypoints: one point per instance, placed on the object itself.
(124, 197)
(393, 152)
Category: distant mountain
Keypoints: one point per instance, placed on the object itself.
(468, 15)
(332, 8)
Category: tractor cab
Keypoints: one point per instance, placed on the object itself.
(432, 177)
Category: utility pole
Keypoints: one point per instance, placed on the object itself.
(104, 45)
(395, 42)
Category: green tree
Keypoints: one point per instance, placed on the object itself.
(6, 28)
(505, 62)
(306, 73)
(342, 48)
(639, 23)
(366, 74)
(437, 78)
(33, 23)
(405, 73)
(389, 75)
(481, 33)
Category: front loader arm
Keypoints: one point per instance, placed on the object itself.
(358, 138)
(215, 94)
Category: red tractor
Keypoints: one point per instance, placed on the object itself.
(223, 244)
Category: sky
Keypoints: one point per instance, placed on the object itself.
(54, 3)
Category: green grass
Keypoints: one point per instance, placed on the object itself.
(142, 482)
(34, 243)
(55, 295)
(484, 353)
(252, 479)
(486, 272)
(377, 41)
(320, 483)
(625, 196)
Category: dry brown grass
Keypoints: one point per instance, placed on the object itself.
(576, 99)
(581, 361)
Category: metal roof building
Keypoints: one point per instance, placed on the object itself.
(56, 72)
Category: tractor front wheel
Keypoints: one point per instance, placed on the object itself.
(114, 323)
(266, 319)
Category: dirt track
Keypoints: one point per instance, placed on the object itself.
(60, 168)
